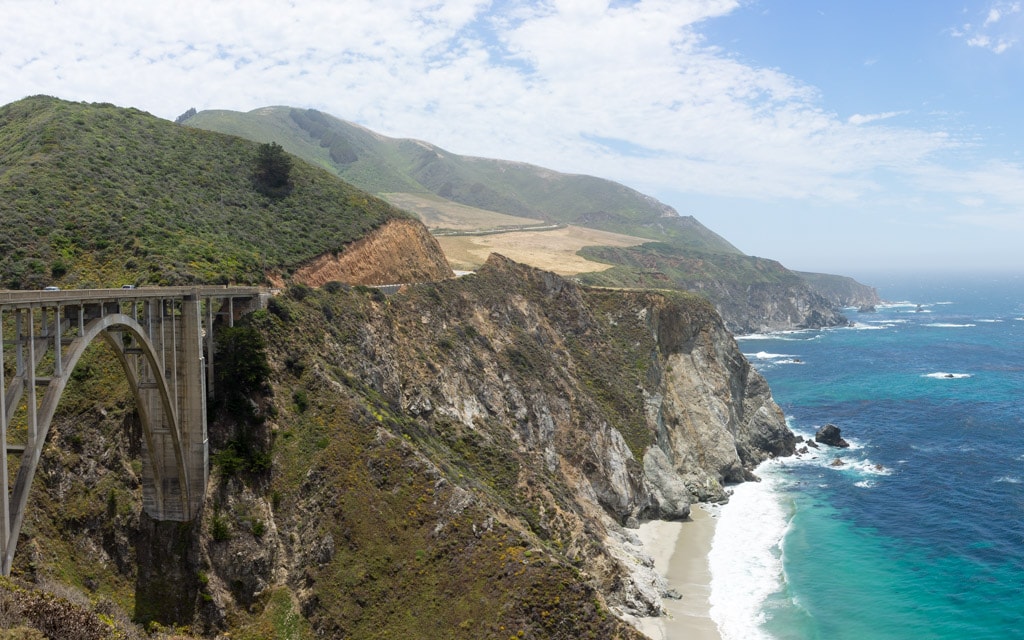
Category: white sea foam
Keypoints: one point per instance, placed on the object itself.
(874, 326)
(1009, 479)
(896, 305)
(764, 355)
(888, 322)
(942, 375)
(949, 325)
(785, 336)
(990, 320)
(865, 484)
(746, 558)
(767, 360)
(867, 467)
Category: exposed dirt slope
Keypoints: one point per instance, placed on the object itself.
(399, 252)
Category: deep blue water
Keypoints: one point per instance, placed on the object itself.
(920, 533)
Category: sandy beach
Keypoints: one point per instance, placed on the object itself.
(680, 551)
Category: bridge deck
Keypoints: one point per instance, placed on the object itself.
(24, 299)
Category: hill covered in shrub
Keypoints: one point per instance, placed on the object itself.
(98, 195)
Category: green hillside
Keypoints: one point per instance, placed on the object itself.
(94, 194)
(388, 165)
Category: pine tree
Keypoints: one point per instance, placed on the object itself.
(273, 171)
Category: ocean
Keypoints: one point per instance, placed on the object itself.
(919, 531)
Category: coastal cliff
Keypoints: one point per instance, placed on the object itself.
(753, 295)
(841, 291)
(468, 456)
(510, 423)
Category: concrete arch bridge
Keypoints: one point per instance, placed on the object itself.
(163, 337)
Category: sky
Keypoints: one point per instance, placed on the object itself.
(844, 136)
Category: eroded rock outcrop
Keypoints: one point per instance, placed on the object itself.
(399, 252)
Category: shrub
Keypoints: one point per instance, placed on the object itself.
(219, 528)
(299, 291)
(301, 399)
(275, 307)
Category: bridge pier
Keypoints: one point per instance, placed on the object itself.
(159, 336)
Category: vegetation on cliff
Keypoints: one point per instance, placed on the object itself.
(96, 195)
(752, 294)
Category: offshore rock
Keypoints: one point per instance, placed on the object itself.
(830, 435)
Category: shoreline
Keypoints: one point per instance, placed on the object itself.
(680, 551)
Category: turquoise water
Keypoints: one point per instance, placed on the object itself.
(920, 532)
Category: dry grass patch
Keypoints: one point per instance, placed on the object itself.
(553, 250)
(438, 213)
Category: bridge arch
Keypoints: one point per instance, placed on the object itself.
(107, 328)
(158, 336)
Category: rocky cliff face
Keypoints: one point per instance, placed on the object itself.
(752, 294)
(463, 460)
(548, 414)
(772, 306)
(841, 291)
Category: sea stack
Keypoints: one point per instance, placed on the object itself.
(829, 434)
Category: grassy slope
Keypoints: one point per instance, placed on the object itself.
(661, 265)
(387, 165)
(95, 195)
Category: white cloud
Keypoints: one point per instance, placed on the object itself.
(542, 82)
(985, 42)
(858, 119)
(1013, 222)
(998, 185)
(1000, 10)
(993, 34)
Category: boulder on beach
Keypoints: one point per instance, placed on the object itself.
(829, 434)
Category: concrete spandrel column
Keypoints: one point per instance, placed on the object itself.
(192, 400)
